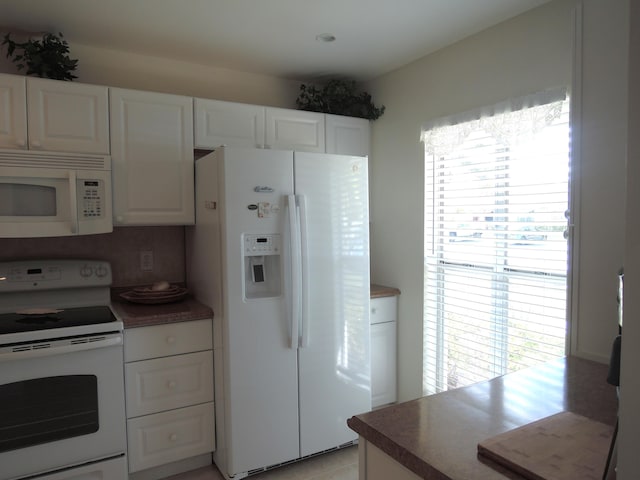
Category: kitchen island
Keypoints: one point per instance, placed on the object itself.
(436, 437)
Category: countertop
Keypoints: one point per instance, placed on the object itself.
(436, 437)
(382, 291)
(139, 315)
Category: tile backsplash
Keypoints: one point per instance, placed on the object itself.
(121, 248)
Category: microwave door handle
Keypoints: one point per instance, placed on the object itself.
(73, 208)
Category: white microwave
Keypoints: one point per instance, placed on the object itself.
(51, 194)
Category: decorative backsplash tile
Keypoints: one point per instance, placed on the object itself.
(121, 248)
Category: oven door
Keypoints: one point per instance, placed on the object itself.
(61, 404)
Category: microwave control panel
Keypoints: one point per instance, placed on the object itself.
(92, 197)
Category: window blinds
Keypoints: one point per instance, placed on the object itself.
(496, 193)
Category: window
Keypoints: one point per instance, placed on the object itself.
(496, 196)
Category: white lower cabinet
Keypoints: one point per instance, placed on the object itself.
(383, 350)
(169, 393)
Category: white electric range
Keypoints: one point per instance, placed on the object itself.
(62, 410)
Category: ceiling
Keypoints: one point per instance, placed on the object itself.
(273, 37)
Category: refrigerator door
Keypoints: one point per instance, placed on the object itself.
(260, 371)
(334, 355)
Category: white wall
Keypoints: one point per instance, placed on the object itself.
(526, 54)
(600, 174)
(630, 381)
(127, 70)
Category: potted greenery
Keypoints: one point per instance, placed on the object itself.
(47, 57)
(338, 97)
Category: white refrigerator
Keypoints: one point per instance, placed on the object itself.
(280, 250)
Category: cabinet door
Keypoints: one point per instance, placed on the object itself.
(383, 363)
(228, 123)
(152, 158)
(13, 112)
(295, 130)
(68, 117)
(347, 135)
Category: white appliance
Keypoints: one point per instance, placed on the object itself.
(61, 372)
(280, 250)
(49, 194)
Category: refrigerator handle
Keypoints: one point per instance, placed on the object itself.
(304, 255)
(294, 238)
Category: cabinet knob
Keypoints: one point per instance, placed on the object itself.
(119, 218)
(36, 144)
(21, 142)
(374, 310)
(171, 340)
(173, 437)
(171, 384)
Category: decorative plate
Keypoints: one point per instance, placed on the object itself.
(150, 297)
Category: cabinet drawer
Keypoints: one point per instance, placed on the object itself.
(384, 309)
(170, 339)
(170, 436)
(167, 383)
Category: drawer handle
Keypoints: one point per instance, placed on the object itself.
(171, 384)
(173, 437)
(171, 340)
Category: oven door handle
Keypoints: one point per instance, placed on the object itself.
(42, 350)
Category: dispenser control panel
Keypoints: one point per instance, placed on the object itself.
(262, 244)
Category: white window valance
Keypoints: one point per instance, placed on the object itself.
(507, 121)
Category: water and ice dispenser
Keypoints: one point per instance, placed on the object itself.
(262, 265)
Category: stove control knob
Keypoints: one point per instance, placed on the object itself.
(101, 271)
(86, 271)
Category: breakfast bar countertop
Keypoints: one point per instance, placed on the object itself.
(142, 315)
(436, 436)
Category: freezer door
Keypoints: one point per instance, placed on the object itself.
(260, 365)
(334, 353)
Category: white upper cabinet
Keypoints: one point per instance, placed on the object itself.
(228, 123)
(67, 117)
(41, 114)
(243, 125)
(347, 135)
(152, 158)
(295, 130)
(13, 111)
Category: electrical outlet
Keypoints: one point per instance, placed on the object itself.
(146, 260)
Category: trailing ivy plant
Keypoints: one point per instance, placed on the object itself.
(339, 97)
(45, 58)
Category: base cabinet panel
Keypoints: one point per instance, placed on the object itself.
(377, 465)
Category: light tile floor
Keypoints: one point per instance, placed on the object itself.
(338, 465)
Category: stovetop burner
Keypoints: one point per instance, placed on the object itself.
(60, 318)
